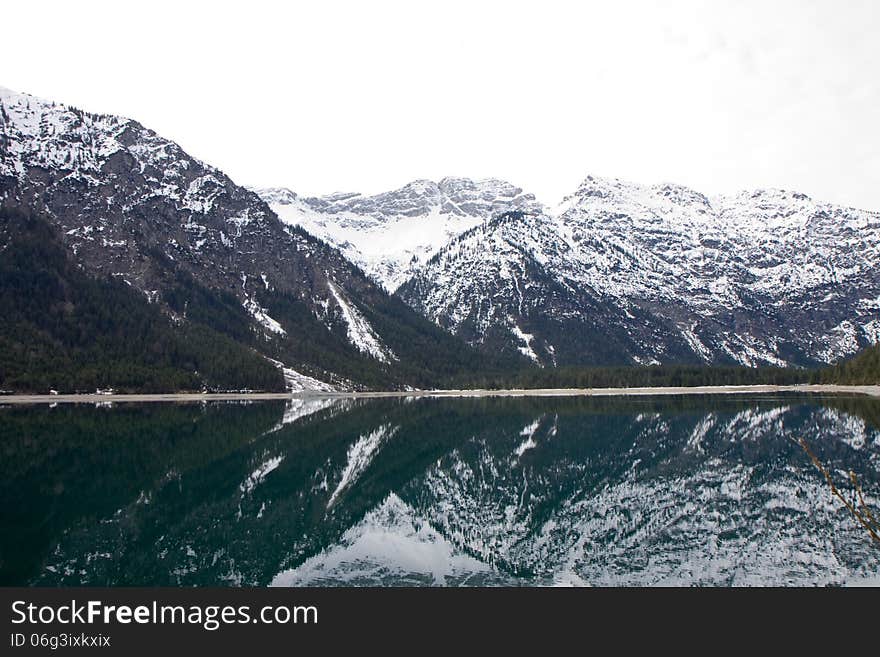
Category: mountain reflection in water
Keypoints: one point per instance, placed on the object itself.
(496, 491)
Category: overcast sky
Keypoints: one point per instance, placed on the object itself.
(323, 96)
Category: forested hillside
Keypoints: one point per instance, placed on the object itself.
(65, 330)
(861, 369)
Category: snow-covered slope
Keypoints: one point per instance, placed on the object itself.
(628, 273)
(391, 234)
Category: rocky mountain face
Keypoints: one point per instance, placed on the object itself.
(623, 273)
(132, 205)
(390, 235)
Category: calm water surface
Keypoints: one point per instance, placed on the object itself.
(515, 491)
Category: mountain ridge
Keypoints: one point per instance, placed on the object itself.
(617, 273)
(761, 278)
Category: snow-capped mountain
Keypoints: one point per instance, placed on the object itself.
(390, 235)
(622, 273)
(617, 273)
(131, 204)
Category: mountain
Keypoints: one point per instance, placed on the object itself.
(390, 235)
(129, 204)
(622, 273)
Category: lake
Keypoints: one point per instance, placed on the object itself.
(699, 490)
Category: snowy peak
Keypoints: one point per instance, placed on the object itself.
(484, 198)
(666, 200)
(276, 195)
(390, 234)
(413, 199)
(419, 198)
(11, 98)
(774, 208)
(90, 149)
(744, 211)
(35, 132)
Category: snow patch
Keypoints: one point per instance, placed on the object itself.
(297, 382)
(526, 338)
(262, 317)
(694, 343)
(257, 477)
(529, 443)
(360, 454)
(360, 333)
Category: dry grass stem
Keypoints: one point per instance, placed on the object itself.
(862, 513)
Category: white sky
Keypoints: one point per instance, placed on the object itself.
(322, 96)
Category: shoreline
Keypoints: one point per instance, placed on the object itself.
(93, 398)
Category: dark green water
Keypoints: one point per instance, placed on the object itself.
(516, 491)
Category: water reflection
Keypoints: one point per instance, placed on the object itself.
(436, 492)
